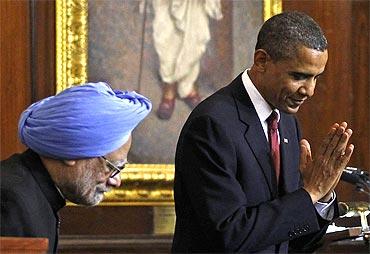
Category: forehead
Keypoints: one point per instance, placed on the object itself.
(306, 60)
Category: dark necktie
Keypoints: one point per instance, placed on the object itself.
(272, 122)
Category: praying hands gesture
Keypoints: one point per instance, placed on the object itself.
(322, 173)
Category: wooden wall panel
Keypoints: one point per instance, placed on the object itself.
(361, 81)
(106, 220)
(43, 49)
(15, 71)
(359, 50)
(27, 63)
(342, 93)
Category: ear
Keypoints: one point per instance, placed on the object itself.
(69, 162)
(261, 57)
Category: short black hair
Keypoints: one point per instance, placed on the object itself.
(281, 35)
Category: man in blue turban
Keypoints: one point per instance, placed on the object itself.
(78, 143)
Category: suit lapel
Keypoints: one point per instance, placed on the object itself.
(254, 134)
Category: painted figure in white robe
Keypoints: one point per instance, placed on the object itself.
(180, 33)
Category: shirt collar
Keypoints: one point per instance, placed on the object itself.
(263, 109)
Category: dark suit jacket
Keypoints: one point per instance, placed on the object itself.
(29, 199)
(226, 194)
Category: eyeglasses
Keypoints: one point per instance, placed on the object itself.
(115, 169)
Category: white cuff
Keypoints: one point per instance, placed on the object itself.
(326, 209)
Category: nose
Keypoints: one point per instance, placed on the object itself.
(115, 181)
(308, 89)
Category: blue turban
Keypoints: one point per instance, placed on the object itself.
(85, 121)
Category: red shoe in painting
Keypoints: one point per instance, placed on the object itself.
(166, 108)
(193, 99)
(167, 105)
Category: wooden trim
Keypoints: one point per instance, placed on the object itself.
(23, 245)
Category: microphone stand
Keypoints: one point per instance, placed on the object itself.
(357, 208)
(361, 209)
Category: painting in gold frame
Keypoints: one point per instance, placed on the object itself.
(144, 183)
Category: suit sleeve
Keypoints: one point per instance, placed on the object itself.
(206, 162)
(309, 243)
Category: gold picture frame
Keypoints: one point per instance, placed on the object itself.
(271, 8)
(145, 184)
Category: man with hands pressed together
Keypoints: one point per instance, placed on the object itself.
(245, 181)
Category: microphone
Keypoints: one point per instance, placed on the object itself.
(343, 208)
(356, 176)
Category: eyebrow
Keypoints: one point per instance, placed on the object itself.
(304, 74)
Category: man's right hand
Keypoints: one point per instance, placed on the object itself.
(322, 174)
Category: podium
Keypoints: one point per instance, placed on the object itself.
(27, 245)
(350, 238)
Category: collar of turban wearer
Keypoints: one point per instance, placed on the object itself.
(84, 121)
